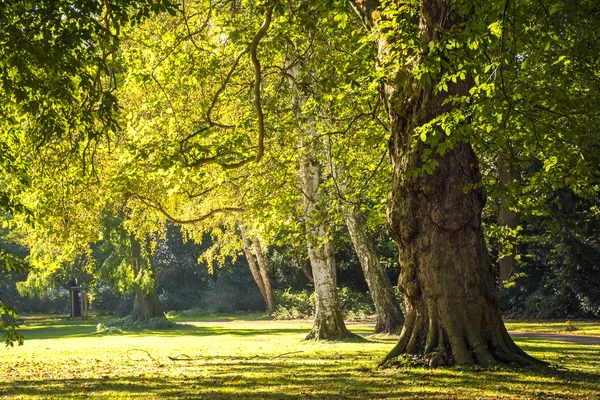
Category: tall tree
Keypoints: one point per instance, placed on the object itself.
(453, 313)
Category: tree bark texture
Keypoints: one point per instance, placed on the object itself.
(147, 304)
(264, 273)
(452, 311)
(329, 321)
(389, 313)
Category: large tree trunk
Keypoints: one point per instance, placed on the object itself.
(147, 303)
(389, 314)
(446, 277)
(264, 273)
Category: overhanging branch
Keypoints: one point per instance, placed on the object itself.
(161, 209)
(257, 80)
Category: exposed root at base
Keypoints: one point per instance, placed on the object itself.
(347, 336)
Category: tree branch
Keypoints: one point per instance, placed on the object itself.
(178, 221)
(257, 80)
(221, 89)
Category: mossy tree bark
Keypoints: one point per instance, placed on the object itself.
(387, 307)
(446, 277)
(389, 314)
(147, 304)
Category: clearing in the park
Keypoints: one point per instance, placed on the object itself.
(237, 358)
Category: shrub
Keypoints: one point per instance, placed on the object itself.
(294, 305)
(127, 324)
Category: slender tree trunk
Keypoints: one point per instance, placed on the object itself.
(305, 266)
(389, 313)
(147, 303)
(329, 321)
(509, 173)
(453, 313)
(264, 273)
(252, 265)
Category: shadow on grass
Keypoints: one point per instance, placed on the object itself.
(88, 328)
(299, 378)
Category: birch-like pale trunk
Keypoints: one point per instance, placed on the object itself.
(328, 321)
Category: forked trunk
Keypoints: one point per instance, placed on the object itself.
(264, 273)
(147, 303)
(389, 314)
(252, 265)
(446, 278)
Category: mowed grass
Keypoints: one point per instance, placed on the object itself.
(233, 359)
(561, 327)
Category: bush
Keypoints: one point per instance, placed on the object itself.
(294, 305)
(185, 298)
(355, 305)
(127, 324)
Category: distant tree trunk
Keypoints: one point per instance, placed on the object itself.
(446, 277)
(147, 303)
(389, 313)
(253, 267)
(509, 174)
(305, 266)
(264, 273)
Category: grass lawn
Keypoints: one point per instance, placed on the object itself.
(563, 327)
(227, 358)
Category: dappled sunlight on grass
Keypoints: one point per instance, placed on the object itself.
(266, 359)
